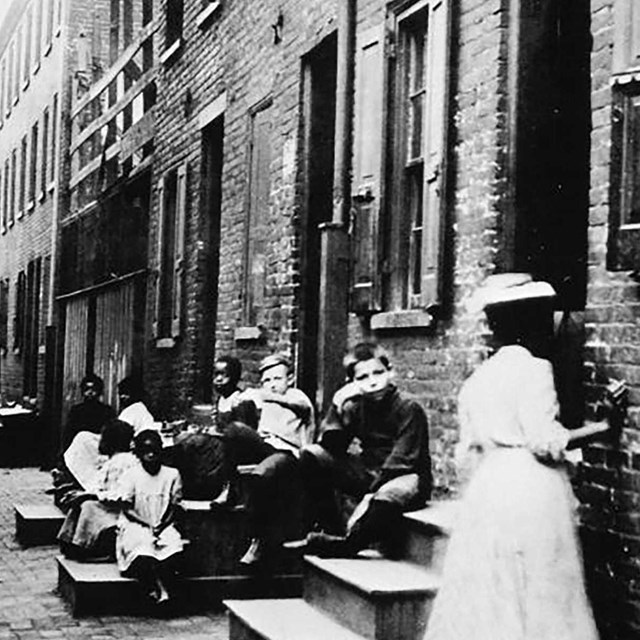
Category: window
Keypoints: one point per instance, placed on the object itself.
(413, 247)
(19, 314)
(5, 195)
(45, 151)
(624, 238)
(49, 24)
(174, 17)
(27, 45)
(170, 254)
(37, 32)
(255, 274)
(23, 172)
(3, 199)
(207, 9)
(14, 170)
(58, 15)
(10, 78)
(3, 79)
(33, 167)
(54, 125)
(4, 317)
(18, 76)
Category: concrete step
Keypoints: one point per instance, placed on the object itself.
(377, 598)
(93, 588)
(287, 619)
(427, 534)
(37, 523)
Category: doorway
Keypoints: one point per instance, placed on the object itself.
(319, 107)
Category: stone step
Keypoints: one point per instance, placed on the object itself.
(377, 598)
(427, 534)
(92, 588)
(37, 523)
(286, 619)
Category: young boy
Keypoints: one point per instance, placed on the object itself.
(285, 425)
(230, 403)
(374, 446)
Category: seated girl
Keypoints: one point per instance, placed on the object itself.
(148, 545)
(89, 528)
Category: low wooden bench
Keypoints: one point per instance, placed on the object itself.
(37, 524)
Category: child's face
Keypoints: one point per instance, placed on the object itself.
(89, 391)
(372, 377)
(276, 379)
(149, 455)
(221, 378)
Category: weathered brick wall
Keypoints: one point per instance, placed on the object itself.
(608, 482)
(30, 236)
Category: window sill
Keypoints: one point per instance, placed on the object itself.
(52, 186)
(171, 53)
(410, 319)
(31, 206)
(47, 49)
(20, 214)
(241, 334)
(41, 196)
(25, 84)
(165, 343)
(42, 350)
(202, 19)
(16, 99)
(36, 67)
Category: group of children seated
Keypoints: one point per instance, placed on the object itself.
(371, 446)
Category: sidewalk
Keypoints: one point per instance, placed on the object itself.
(29, 606)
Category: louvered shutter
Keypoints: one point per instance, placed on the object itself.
(159, 259)
(435, 145)
(178, 254)
(366, 187)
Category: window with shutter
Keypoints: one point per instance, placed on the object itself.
(258, 214)
(419, 115)
(4, 316)
(170, 254)
(367, 188)
(624, 238)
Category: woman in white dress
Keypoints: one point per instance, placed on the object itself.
(513, 569)
(148, 545)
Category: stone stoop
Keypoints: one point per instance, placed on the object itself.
(37, 524)
(368, 597)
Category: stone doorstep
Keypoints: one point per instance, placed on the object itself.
(282, 620)
(37, 523)
(374, 597)
(99, 587)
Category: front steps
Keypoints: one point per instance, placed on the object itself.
(354, 599)
(37, 524)
(218, 538)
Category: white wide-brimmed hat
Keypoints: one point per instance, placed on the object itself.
(503, 288)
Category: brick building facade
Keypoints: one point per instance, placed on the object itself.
(248, 176)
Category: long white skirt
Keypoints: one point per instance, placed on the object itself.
(134, 541)
(513, 569)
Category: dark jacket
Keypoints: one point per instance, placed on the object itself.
(86, 416)
(393, 434)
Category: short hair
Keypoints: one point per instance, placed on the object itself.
(362, 352)
(116, 437)
(274, 360)
(147, 435)
(131, 386)
(96, 381)
(234, 366)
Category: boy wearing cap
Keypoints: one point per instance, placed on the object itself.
(374, 446)
(285, 425)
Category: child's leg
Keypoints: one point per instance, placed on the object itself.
(143, 569)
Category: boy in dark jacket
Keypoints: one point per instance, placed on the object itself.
(374, 446)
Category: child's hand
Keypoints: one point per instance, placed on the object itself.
(350, 391)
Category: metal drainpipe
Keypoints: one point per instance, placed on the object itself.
(334, 260)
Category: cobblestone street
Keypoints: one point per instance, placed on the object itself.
(29, 605)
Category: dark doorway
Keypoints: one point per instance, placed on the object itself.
(552, 141)
(211, 182)
(319, 107)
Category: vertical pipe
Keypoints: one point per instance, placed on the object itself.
(334, 257)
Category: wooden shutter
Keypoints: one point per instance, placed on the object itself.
(626, 49)
(178, 253)
(366, 187)
(159, 259)
(435, 121)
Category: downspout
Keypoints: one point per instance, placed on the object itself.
(334, 237)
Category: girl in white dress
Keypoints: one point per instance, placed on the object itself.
(148, 545)
(513, 569)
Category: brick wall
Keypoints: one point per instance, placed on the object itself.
(608, 481)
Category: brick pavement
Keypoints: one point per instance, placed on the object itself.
(30, 608)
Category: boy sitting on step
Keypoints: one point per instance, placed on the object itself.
(285, 425)
(374, 446)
